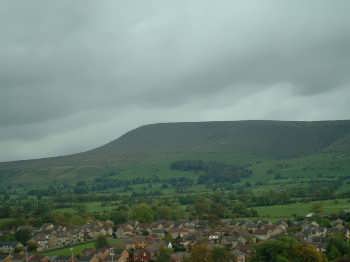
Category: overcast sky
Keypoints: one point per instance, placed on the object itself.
(77, 74)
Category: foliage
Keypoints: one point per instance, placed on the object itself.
(337, 247)
(214, 172)
(119, 216)
(164, 255)
(23, 234)
(142, 213)
(200, 253)
(32, 246)
(317, 208)
(286, 249)
(220, 254)
(5, 211)
(101, 242)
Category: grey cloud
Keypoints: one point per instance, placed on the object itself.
(61, 61)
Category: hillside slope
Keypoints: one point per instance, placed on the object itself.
(261, 139)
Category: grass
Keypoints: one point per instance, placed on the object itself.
(79, 248)
(6, 222)
(90, 207)
(302, 209)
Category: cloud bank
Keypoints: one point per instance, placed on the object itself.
(77, 74)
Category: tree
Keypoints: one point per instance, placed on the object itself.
(81, 187)
(317, 208)
(220, 254)
(164, 212)
(308, 253)
(164, 255)
(202, 207)
(142, 213)
(101, 242)
(5, 211)
(200, 253)
(337, 247)
(286, 249)
(81, 209)
(22, 235)
(32, 245)
(119, 217)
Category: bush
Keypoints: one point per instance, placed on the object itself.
(101, 242)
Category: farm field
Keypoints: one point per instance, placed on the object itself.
(302, 209)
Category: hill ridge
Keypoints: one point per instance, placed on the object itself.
(265, 139)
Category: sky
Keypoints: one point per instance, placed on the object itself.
(75, 75)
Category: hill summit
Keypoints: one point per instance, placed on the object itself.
(196, 140)
(264, 138)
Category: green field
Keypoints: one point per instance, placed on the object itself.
(8, 222)
(255, 163)
(77, 249)
(302, 209)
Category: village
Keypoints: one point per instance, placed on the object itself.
(143, 242)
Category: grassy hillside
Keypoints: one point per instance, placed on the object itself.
(262, 138)
(149, 150)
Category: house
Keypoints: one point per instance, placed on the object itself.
(7, 247)
(232, 240)
(240, 256)
(8, 258)
(312, 230)
(153, 249)
(347, 234)
(319, 243)
(60, 259)
(178, 256)
(139, 255)
(261, 234)
(53, 241)
(124, 257)
(125, 230)
(309, 215)
(42, 241)
(158, 232)
(267, 231)
(275, 230)
(214, 237)
(242, 253)
(101, 256)
(38, 258)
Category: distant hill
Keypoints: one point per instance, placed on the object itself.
(260, 139)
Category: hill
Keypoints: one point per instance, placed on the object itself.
(262, 138)
(150, 149)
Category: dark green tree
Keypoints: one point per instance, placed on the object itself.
(101, 242)
(22, 235)
(286, 249)
(119, 217)
(337, 247)
(142, 213)
(164, 255)
(220, 254)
